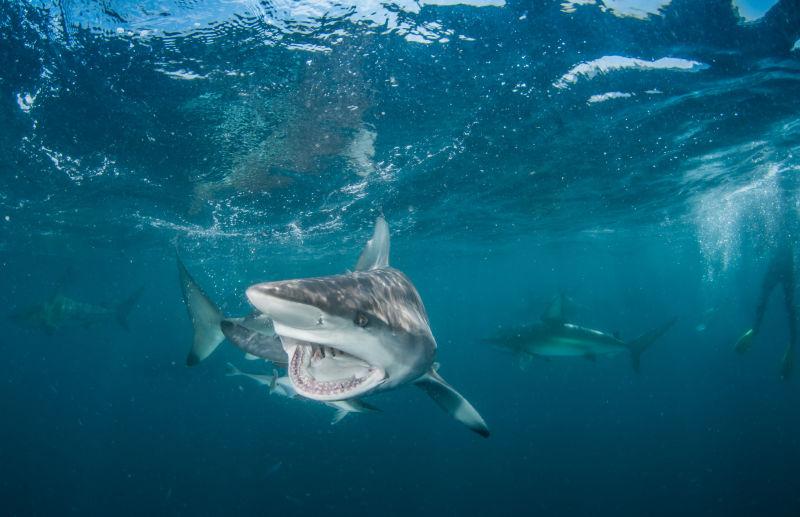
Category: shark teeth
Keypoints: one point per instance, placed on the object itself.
(328, 362)
(320, 352)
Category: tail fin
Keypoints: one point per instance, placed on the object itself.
(643, 342)
(205, 317)
(126, 306)
(452, 402)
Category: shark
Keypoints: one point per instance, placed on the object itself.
(254, 333)
(60, 311)
(555, 336)
(282, 386)
(358, 333)
(299, 133)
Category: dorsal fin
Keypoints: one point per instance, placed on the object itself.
(555, 311)
(375, 254)
(61, 283)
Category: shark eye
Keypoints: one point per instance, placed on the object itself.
(361, 319)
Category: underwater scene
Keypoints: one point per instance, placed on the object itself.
(399, 257)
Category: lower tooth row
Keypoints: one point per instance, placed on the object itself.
(309, 384)
(327, 388)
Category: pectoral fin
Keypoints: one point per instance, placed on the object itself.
(787, 363)
(273, 383)
(339, 415)
(524, 361)
(452, 402)
(345, 407)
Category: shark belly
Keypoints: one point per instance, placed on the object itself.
(572, 347)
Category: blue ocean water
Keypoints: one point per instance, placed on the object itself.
(639, 157)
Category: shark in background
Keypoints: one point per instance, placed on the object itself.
(352, 335)
(319, 121)
(60, 311)
(282, 386)
(555, 336)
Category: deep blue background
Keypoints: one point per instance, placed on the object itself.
(498, 196)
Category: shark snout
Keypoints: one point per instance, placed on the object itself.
(285, 304)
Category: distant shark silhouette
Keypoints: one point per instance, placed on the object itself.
(59, 311)
(313, 128)
(351, 335)
(555, 337)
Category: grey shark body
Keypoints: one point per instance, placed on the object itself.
(61, 311)
(282, 386)
(355, 334)
(253, 333)
(554, 337)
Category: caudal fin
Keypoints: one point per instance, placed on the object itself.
(205, 317)
(126, 306)
(643, 342)
(231, 370)
(452, 402)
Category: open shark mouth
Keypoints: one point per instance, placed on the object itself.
(325, 373)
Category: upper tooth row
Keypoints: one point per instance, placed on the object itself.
(319, 352)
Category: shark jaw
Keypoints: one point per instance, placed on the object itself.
(325, 373)
(330, 358)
